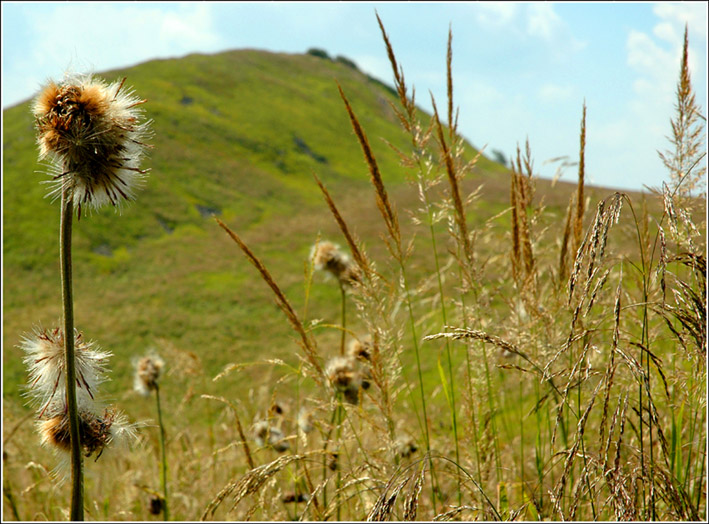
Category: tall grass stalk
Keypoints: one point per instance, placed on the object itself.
(397, 252)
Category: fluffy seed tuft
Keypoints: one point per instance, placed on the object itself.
(91, 134)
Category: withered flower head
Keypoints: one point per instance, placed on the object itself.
(147, 373)
(92, 134)
(46, 361)
(96, 432)
(405, 446)
(342, 373)
(265, 434)
(345, 377)
(360, 349)
(327, 256)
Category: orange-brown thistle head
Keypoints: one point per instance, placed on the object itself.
(327, 256)
(91, 134)
(96, 432)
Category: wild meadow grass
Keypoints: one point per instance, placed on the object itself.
(519, 366)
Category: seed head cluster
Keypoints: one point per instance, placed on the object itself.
(92, 135)
(346, 376)
(46, 363)
(327, 256)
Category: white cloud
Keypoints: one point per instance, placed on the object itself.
(70, 36)
(542, 21)
(495, 14)
(694, 14)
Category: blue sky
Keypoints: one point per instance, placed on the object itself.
(521, 70)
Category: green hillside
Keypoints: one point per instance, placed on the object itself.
(237, 134)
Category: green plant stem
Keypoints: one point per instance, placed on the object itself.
(420, 376)
(77, 474)
(163, 461)
(339, 468)
(451, 405)
(344, 319)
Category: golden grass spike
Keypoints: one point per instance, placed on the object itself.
(514, 198)
(239, 428)
(281, 300)
(455, 189)
(398, 74)
(564, 252)
(580, 199)
(358, 256)
(383, 204)
(449, 76)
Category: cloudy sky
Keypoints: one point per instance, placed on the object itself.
(521, 70)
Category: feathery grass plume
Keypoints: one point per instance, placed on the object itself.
(46, 363)
(328, 257)
(564, 251)
(524, 193)
(686, 173)
(92, 134)
(385, 208)
(463, 235)
(580, 199)
(358, 255)
(308, 344)
(147, 373)
(514, 206)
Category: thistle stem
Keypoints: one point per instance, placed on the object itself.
(344, 319)
(77, 475)
(163, 462)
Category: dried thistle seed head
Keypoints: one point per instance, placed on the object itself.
(265, 434)
(92, 134)
(46, 361)
(276, 409)
(352, 394)
(342, 373)
(96, 432)
(361, 350)
(147, 373)
(305, 420)
(327, 256)
(405, 446)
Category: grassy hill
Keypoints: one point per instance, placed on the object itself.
(239, 135)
